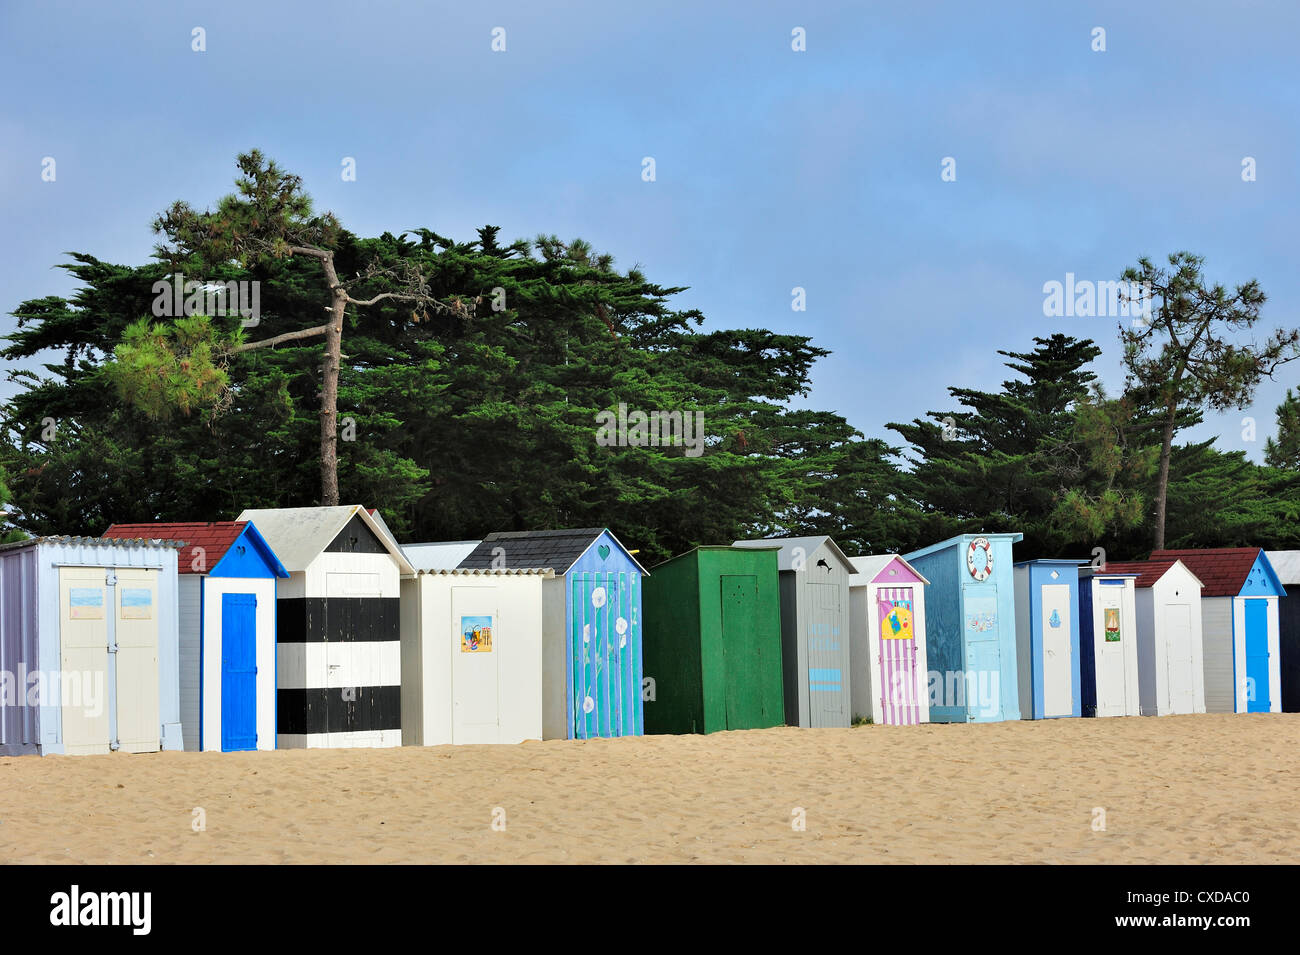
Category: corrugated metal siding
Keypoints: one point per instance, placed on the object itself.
(41, 560)
(19, 732)
(189, 589)
(1216, 632)
(1027, 600)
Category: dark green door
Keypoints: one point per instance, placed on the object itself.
(742, 653)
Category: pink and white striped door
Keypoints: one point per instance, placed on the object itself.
(899, 692)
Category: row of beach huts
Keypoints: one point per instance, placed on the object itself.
(314, 627)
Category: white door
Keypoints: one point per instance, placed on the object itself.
(1178, 657)
(83, 660)
(1111, 682)
(350, 664)
(138, 726)
(475, 652)
(1058, 680)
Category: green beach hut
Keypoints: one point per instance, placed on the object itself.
(712, 641)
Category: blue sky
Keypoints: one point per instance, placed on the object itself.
(774, 168)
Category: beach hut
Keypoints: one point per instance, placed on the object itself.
(1108, 643)
(713, 641)
(227, 631)
(593, 624)
(472, 650)
(338, 642)
(815, 621)
(887, 645)
(1239, 627)
(1171, 674)
(89, 650)
(1047, 638)
(1286, 564)
(970, 631)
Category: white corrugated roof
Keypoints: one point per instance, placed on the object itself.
(788, 545)
(481, 572)
(299, 534)
(439, 555)
(1286, 564)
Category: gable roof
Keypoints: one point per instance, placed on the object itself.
(955, 541)
(788, 545)
(382, 524)
(1148, 571)
(1286, 564)
(871, 565)
(438, 555)
(1223, 570)
(556, 550)
(215, 537)
(299, 534)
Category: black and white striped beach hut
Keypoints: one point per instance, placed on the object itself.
(338, 641)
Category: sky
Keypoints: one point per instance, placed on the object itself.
(774, 168)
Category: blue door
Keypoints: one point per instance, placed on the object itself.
(238, 672)
(1257, 655)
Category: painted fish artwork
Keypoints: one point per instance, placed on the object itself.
(476, 634)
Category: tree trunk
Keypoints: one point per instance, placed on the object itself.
(329, 395)
(1162, 482)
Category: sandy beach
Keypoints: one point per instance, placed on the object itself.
(1179, 789)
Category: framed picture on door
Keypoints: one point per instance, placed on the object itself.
(476, 634)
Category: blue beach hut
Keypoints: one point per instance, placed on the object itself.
(970, 630)
(226, 586)
(1047, 638)
(591, 633)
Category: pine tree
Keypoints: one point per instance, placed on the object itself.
(1284, 452)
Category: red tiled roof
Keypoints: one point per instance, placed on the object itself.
(1148, 571)
(1223, 570)
(214, 538)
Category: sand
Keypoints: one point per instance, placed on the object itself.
(1175, 789)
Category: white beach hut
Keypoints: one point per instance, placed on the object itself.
(472, 656)
(1171, 669)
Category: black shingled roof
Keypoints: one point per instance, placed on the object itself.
(529, 550)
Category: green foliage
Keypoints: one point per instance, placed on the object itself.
(1284, 452)
(483, 417)
(1035, 457)
(463, 425)
(165, 368)
(261, 221)
(1184, 358)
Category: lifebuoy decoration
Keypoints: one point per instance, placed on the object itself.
(980, 570)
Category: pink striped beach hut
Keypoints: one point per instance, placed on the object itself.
(888, 666)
